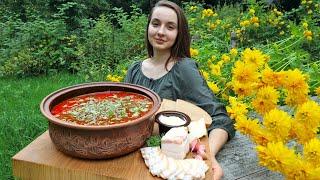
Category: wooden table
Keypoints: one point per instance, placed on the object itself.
(239, 161)
(41, 160)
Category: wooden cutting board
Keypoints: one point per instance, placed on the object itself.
(41, 160)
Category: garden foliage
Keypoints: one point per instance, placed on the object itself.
(254, 56)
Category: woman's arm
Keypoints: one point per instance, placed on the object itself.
(217, 138)
(196, 90)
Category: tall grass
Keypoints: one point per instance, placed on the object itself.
(20, 118)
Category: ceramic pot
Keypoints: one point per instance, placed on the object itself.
(99, 142)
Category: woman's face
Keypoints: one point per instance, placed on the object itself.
(163, 28)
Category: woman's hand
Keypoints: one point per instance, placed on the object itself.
(217, 170)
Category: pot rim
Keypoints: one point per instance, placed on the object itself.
(45, 104)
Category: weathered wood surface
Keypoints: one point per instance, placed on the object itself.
(239, 161)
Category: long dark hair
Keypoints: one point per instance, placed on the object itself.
(181, 47)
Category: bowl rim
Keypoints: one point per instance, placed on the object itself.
(45, 104)
(173, 112)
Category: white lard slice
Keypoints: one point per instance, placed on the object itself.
(197, 129)
(168, 168)
(172, 167)
(179, 173)
(157, 169)
(175, 143)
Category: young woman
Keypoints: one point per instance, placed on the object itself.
(171, 73)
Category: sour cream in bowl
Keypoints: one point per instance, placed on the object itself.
(170, 119)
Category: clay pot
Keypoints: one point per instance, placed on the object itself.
(99, 142)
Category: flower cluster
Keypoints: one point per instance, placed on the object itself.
(252, 20)
(260, 89)
(114, 78)
(307, 33)
(208, 13)
(194, 52)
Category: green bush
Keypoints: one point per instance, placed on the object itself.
(35, 47)
(105, 46)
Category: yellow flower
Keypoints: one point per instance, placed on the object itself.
(318, 91)
(299, 169)
(207, 13)
(278, 123)
(311, 152)
(225, 58)
(266, 100)
(305, 25)
(256, 24)
(307, 33)
(262, 137)
(246, 126)
(254, 19)
(215, 70)
(218, 21)
(220, 63)
(213, 58)
(276, 156)
(315, 173)
(243, 89)
(114, 78)
(244, 23)
(253, 56)
(213, 87)
(308, 114)
(193, 8)
(238, 31)
(236, 109)
(309, 38)
(271, 78)
(233, 52)
(245, 73)
(252, 11)
(279, 13)
(295, 82)
(205, 75)
(302, 132)
(212, 26)
(194, 52)
(294, 99)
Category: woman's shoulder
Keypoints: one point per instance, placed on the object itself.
(133, 71)
(135, 64)
(187, 64)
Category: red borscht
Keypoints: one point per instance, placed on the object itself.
(103, 108)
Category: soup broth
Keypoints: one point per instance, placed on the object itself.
(103, 108)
